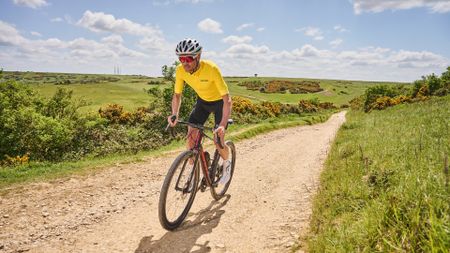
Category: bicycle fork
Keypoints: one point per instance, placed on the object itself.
(187, 184)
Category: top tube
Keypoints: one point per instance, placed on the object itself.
(202, 130)
(197, 126)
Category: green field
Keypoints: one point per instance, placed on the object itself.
(385, 186)
(336, 91)
(128, 90)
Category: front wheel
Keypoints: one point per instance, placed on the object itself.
(178, 191)
(218, 190)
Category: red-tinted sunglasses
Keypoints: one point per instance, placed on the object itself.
(187, 58)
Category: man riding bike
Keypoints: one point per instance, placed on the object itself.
(212, 96)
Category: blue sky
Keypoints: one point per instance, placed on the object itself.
(395, 40)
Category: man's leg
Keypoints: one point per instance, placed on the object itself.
(191, 137)
(224, 152)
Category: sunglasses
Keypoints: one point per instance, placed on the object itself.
(187, 58)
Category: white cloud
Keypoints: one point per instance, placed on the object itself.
(82, 55)
(370, 63)
(369, 55)
(153, 39)
(35, 34)
(335, 43)
(101, 22)
(246, 49)
(156, 44)
(237, 40)
(339, 28)
(260, 29)
(9, 35)
(419, 58)
(209, 26)
(314, 32)
(244, 26)
(113, 39)
(100, 56)
(307, 51)
(31, 3)
(439, 6)
(51, 43)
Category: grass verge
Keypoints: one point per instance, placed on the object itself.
(11, 176)
(385, 187)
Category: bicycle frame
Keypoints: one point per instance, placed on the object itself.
(200, 153)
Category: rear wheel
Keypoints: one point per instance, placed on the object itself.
(178, 191)
(218, 190)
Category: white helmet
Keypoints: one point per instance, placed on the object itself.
(188, 46)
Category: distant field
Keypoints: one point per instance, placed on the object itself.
(98, 90)
(128, 90)
(335, 91)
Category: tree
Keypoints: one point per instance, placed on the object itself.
(434, 83)
(445, 77)
(169, 72)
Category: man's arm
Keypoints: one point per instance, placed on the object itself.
(176, 102)
(226, 111)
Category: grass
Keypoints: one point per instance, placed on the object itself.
(384, 188)
(128, 90)
(12, 176)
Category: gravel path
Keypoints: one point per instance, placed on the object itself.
(115, 209)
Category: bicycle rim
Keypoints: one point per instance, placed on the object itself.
(218, 190)
(178, 191)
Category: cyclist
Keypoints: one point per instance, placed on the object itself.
(212, 96)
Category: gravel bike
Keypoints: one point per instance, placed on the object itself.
(182, 180)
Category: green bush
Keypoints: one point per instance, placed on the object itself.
(432, 85)
(25, 129)
(62, 105)
(376, 92)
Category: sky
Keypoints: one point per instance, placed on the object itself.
(374, 40)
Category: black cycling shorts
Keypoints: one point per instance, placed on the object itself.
(202, 109)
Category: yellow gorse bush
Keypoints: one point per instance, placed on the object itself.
(15, 160)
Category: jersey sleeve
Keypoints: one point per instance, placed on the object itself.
(179, 81)
(219, 82)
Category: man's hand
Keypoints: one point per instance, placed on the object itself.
(220, 132)
(172, 120)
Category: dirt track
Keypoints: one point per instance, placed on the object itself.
(115, 210)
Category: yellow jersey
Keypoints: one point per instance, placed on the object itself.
(207, 81)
